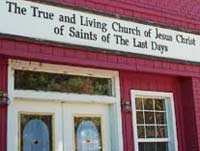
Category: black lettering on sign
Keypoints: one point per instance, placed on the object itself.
(185, 40)
(140, 44)
(163, 36)
(36, 12)
(117, 27)
(14, 8)
(86, 21)
(68, 19)
(81, 34)
(159, 47)
(121, 41)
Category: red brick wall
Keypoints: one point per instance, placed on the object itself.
(52, 54)
(3, 109)
(196, 98)
(180, 13)
(152, 82)
(189, 114)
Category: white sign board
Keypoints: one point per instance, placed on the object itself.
(68, 26)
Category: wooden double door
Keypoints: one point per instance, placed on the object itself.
(47, 126)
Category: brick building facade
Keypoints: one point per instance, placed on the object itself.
(136, 72)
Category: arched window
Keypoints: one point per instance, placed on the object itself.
(88, 137)
(35, 134)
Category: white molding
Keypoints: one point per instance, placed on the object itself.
(156, 94)
(154, 140)
(63, 69)
(116, 118)
(63, 97)
(168, 96)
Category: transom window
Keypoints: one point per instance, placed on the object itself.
(154, 128)
(65, 83)
(33, 80)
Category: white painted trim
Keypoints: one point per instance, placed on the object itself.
(63, 69)
(154, 140)
(10, 83)
(56, 96)
(165, 95)
(116, 122)
(152, 94)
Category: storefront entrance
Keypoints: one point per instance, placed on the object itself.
(63, 108)
(63, 126)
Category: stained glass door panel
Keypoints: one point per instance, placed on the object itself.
(36, 133)
(88, 133)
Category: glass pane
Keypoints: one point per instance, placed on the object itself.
(138, 104)
(161, 118)
(140, 119)
(149, 118)
(140, 131)
(141, 147)
(35, 133)
(160, 104)
(88, 134)
(147, 147)
(157, 146)
(43, 81)
(162, 146)
(150, 132)
(148, 104)
(161, 131)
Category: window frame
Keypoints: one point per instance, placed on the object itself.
(62, 69)
(168, 96)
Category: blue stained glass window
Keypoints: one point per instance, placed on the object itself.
(35, 133)
(88, 134)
